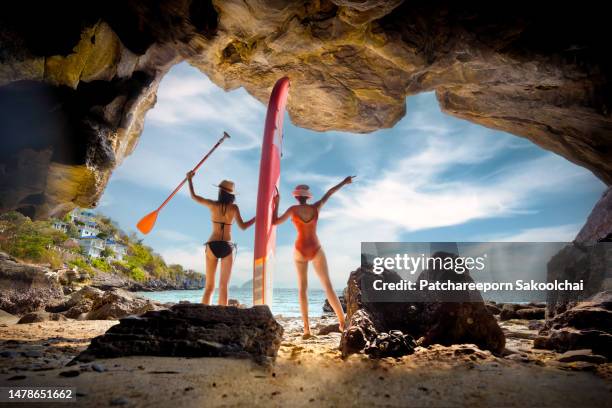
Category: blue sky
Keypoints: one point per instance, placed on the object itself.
(431, 177)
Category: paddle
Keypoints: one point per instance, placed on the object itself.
(146, 224)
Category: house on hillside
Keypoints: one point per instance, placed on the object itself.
(83, 215)
(60, 226)
(92, 246)
(86, 231)
(119, 250)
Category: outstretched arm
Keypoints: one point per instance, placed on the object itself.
(334, 189)
(240, 222)
(275, 218)
(201, 200)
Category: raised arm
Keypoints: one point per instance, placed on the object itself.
(275, 218)
(334, 189)
(240, 222)
(204, 201)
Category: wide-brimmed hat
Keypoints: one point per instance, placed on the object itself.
(302, 191)
(227, 186)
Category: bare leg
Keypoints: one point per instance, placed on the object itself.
(226, 272)
(320, 264)
(301, 265)
(211, 269)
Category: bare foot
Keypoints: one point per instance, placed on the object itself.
(307, 336)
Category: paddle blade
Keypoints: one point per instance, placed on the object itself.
(146, 224)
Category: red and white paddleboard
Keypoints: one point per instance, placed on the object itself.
(269, 175)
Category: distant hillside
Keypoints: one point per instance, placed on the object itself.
(89, 242)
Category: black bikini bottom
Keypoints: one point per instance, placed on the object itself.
(220, 249)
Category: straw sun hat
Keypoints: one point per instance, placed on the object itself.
(227, 186)
(302, 191)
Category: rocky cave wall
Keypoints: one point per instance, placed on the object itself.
(76, 78)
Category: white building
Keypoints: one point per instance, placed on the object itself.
(86, 231)
(119, 250)
(83, 215)
(92, 246)
(60, 226)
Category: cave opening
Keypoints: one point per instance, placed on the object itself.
(436, 176)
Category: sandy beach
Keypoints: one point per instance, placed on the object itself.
(306, 373)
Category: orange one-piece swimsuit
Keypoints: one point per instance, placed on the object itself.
(307, 242)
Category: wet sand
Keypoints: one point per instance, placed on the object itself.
(307, 372)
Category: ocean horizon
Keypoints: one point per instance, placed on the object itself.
(284, 300)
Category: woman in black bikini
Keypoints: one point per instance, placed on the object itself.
(219, 245)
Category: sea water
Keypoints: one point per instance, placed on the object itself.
(284, 301)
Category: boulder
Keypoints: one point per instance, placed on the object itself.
(109, 281)
(7, 318)
(119, 303)
(392, 344)
(431, 316)
(589, 262)
(587, 258)
(327, 307)
(598, 227)
(587, 325)
(25, 288)
(94, 304)
(510, 311)
(192, 330)
(584, 355)
(329, 328)
(41, 316)
(235, 303)
(532, 313)
(79, 303)
(492, 307)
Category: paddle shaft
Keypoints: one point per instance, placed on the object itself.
(225, 136)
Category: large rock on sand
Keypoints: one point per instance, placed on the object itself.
(588, 325)
(119, 303)
(192, 330)
(463, 319)
(25, 288)
(41, 316)
(90, 303)
(587, 258)
(327, 306)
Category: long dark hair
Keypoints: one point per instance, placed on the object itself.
(302, 199)
(225, 197)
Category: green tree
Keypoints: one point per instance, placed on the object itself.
(107, 253)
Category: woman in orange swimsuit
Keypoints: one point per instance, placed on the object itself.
(219, 246)
(308, 248)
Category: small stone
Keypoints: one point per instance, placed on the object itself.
(9, 354)
(32, 353)
(70, 373)
(584, 355)
(119, 401)
(98, 368)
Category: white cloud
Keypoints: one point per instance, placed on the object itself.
(560, 233)
(189, 256)
(187, 97)
(172, 235)
(418, 193)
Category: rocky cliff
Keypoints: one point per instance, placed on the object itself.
(76, 79)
